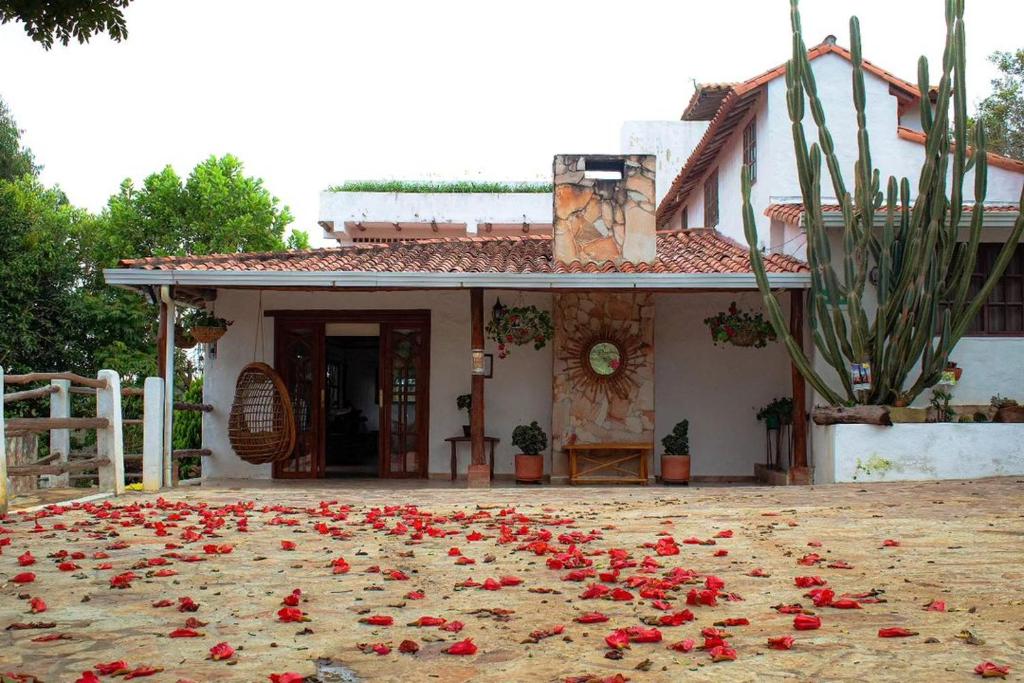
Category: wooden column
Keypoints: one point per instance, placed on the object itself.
(161, 341)
(478, 474)
(799, 474)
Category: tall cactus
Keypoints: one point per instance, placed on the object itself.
(924, 305)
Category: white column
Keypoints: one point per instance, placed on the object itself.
(3, 451)
(110, 439)
(60, 439)
(152, 433)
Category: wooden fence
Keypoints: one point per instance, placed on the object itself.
(107, 464)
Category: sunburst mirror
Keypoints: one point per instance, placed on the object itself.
(604, 360)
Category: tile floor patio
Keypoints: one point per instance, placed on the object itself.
(959, 542)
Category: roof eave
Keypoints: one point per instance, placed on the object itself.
(136, 277)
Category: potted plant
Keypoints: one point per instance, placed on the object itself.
(519, 325)
(206, 327)
(675, 460)
(1007, 409)
(465, 402)
(740, 328)
(777, 413)
(531, 441)
(183, 338)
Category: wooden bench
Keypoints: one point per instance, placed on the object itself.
(595, 463)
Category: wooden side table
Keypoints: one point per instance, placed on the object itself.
(456, 440)
(591, 463)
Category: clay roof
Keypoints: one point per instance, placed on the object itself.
(794, 213)
(685, 251)
(997, 160)
(733, 108)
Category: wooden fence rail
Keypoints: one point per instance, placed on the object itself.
(159, 461)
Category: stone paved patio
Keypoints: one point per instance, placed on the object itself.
(958, 542)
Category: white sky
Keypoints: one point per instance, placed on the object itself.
(328, 91)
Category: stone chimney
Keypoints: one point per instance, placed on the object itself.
(604, 208)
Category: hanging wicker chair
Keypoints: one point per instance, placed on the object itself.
(261, 426)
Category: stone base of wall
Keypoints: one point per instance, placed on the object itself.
(913, 452)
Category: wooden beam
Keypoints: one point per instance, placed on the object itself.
(30, 393)
(800, 472)
(479, 473)
(43, 424)
(161, 342)
(49, 376)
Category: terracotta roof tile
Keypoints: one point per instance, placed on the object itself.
(685, 251)
(794, 213)
(997, 160)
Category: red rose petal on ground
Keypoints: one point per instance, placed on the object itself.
(781, 642)
(290, 614)
(429, 621)
(617, 640)
(890, 543)
(722, 653)
(895, 632)
(287, 545)
(288, 677)
(24, 577)
(936, 606)
(409, 647)
(591, 618)
(37, 606)
(685, 645)
(845, 603)
(221, 651)
(463, 647)
(805, 622)
(453, 626)
(992, 670)
(185, 633)
(26, 559)
(378, 620)
(88, 677)
(415, 595)
(111, 668)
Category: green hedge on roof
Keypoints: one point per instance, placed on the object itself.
(448, 187)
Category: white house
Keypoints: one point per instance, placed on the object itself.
(377, 338)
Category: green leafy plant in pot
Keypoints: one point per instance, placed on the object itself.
(206, 327)
(465, 402)
(675, 458)
(777, 413)
(532, 442)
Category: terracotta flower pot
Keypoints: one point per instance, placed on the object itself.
(675, 469)
(529, 468)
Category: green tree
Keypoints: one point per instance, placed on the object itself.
(41, 316)
(217, 209)
(15, 159)
(1002, 112)
(62, 20)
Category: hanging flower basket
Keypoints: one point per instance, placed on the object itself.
(520, 325)
(207, 328)
(740, 328)
(183, 338)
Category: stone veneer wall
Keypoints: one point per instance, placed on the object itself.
(596, 220)
(604, 417)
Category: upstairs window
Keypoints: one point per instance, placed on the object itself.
(750, 150)
(711, 200)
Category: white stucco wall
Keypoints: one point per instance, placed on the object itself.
(776, 177)
(519, 392)
(671, 142)
(469, 208)
(719, 389)
(909, 452)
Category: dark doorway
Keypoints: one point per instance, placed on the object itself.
(359, 385)
(351, 408)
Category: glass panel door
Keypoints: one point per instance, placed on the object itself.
(403, 408)
(299, 350)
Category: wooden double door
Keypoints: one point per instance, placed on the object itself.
(403, 395)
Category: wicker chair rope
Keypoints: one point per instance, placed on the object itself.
(261, 426)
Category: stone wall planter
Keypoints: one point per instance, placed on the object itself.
(914, 452)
